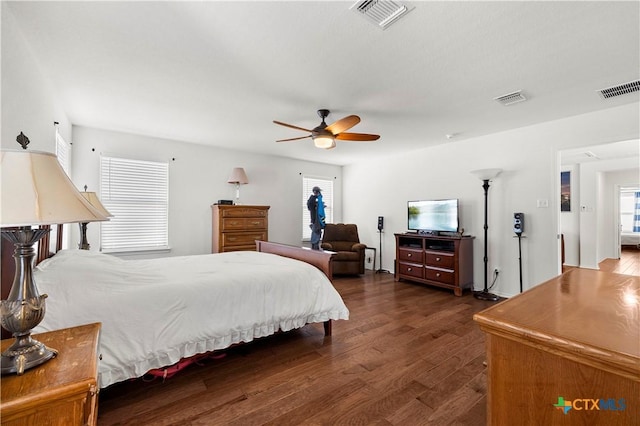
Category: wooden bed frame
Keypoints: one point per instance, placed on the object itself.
(318, 258)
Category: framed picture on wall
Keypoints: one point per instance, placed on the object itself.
(565, 191)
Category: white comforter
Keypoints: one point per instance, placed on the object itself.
(155, 312)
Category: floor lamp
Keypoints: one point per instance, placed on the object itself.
(34, 191)
(486, 175)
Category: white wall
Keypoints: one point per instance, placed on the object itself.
(198, 178)
(529, 158)
(29, 102)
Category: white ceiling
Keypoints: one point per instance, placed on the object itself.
(218, 73)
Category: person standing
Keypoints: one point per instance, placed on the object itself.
(316, 210)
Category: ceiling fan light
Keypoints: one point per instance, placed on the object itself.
(326, 142)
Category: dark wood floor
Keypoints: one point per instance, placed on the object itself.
(409, 355)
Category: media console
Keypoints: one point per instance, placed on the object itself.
(443, 261)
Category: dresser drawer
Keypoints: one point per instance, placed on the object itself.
(409, 269)
(440, 260)
(232, 239)
(244, 212)
(237, 224)
(440, 275)
(410, 255)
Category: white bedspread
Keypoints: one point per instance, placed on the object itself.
(155, 312)
(630, 238)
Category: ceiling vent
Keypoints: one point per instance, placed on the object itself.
(511, 98)
(383, 13)
(619, 90)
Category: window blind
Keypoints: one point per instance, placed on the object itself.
(327, 197)
(137, 194)
(63, 152)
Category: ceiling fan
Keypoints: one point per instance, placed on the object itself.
(325, 136)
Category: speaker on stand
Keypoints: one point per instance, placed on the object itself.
(380, 229)
(518, 228)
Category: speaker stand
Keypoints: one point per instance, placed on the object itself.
(520, 258)
(380, 270)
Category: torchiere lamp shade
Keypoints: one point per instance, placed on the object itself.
(486, 174)
(36, 191)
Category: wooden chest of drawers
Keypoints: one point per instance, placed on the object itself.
(63, 390)
(237, 228)
(441, 261)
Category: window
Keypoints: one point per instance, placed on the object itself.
(63, 152)
(628, 201)
(136, 193)
(327, 197)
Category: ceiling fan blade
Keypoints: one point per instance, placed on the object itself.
(357, 137)
(343, 124)
(293, 139)
(291, 126)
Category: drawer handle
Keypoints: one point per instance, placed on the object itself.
(437, 274)
(409, 255)
(409, 269)
(438, 259)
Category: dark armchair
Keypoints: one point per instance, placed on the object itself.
(343, 239)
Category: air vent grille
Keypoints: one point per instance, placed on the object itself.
(383, 13)
(619, 90)
(511, 98)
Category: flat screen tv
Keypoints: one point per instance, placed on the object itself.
(433, 215)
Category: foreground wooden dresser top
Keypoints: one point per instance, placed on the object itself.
(62, 391)
(576, 336)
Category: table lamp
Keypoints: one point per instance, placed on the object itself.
(34, 190)
(239, 177)
(93, 199)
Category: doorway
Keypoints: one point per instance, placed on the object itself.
(591, 227)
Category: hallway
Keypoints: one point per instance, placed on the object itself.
(629, 263)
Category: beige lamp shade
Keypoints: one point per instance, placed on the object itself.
(238, 176)
(92, 198)
(35, 190)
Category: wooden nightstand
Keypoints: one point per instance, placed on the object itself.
(62, 391)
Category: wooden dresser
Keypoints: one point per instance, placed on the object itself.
(238, 227)
(565, 352)
(62, 391)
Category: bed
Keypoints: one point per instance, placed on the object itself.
(155, 312)
(630, 239)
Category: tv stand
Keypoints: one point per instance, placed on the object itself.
(443, 261)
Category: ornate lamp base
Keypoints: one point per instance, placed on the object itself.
(24, 308)
(25, 353)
